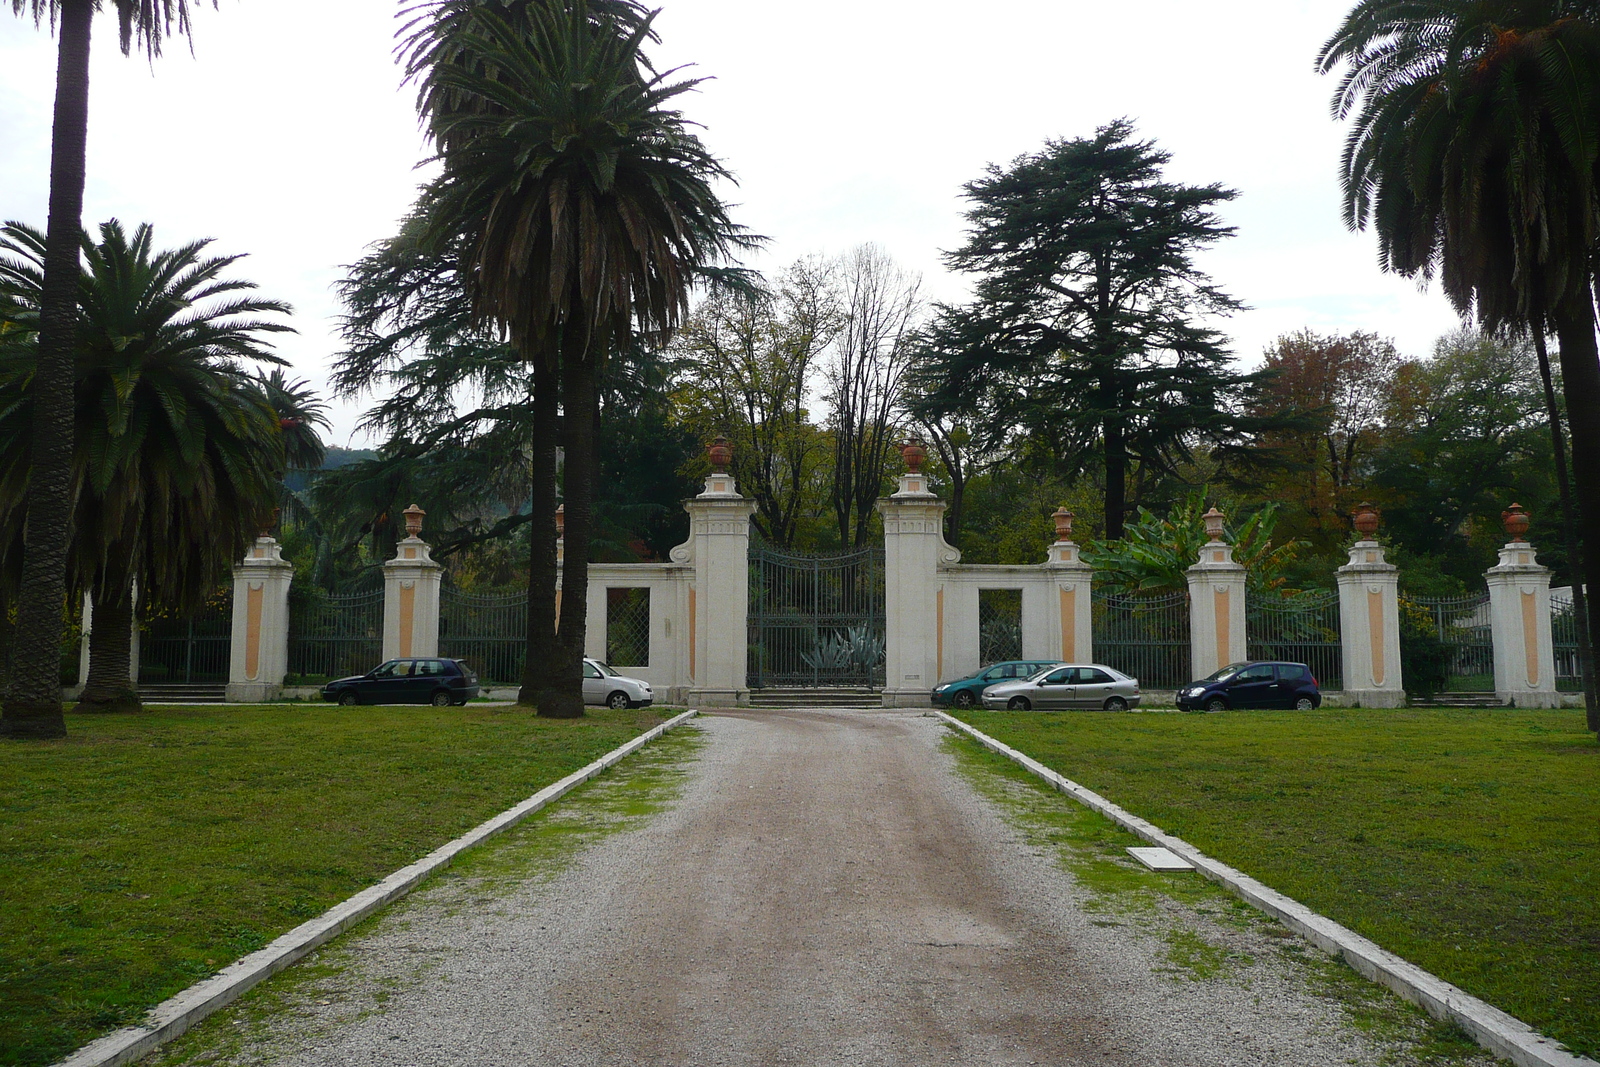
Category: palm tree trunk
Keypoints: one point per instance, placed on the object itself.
(542, 652)
(1580, 379)
(33, 703)
(580, 416)
(1580, 607)
(109, 686)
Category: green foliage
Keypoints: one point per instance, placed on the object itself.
(1154, 553)
(1425, 658)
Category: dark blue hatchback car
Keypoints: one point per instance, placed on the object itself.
(440, 682)
(1270, 684)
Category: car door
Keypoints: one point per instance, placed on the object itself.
(426, 677)
(1093, 686)
(594, 684)
(1055, 690)
(382, 686)
(1253, 687)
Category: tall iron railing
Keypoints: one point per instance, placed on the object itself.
(999, 625)
(1564, 640)
(189, 650)
(1300, 629)
(816, 620)
(1461, 624)
(1144, 636)
(489, 632)
(334, 636)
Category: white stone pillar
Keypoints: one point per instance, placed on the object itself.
(1216, 604)
(1519, 617)
(913, 548)
(83, 643)
(411, 595)
(719, 597)
(1369, 620)
(1074, 584)
(258, 655)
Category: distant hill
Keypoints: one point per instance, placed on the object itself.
(343, 457)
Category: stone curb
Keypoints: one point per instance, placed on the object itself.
(177, 1014)
(1500, 1033)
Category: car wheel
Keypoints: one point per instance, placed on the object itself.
(441, 698)
(1304, 704)
(964, 699)
(619, 699)
(349, 699)
(1019, 704)
(1216, 704)
(1116, 704)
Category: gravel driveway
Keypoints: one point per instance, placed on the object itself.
(828, 890)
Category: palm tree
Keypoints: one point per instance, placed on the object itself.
(1473, 156)
(587, 210)
(179, 453)
(32, 705)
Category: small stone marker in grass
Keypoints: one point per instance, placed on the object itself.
(1160, 859)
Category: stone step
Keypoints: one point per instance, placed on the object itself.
(183, 694)
(1458, 700)
(815, 698)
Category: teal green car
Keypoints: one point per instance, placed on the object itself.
(968, 692)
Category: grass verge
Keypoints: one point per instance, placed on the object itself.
(339, 984)
(1465, 841)
(148, 851)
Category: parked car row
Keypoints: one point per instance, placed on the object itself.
(1034, 685)
(443, 682)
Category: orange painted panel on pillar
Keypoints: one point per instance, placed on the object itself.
(1224, 627)
(1530, 639)
(408, 615)
(1069, 624)
(1380, 669)
(254, 602)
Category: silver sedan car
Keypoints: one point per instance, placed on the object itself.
(602, 685)
(1066, 685)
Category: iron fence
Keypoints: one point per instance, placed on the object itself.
(192, 650)
(334, 636)
(1564, 639)
(816, 620)
(489, 632)
(999, 625)
(1300, 629)
(1460, 625)
(628, 627)
(1144, 636)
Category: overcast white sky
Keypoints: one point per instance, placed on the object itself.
(288, 136)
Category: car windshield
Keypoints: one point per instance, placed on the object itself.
(1041, 671)
(605, 672)
(1225, 673)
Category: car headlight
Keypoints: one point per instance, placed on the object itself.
(941, 688)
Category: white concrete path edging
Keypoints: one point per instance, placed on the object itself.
(177, 1014)
(1500, 1033)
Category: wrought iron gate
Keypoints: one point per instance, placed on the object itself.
(189, 651)
(1464, 638)
(488, 631)
(1144, 636)
(334, 636)
(1301, 629)
(816, 620)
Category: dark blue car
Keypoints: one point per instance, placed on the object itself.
(1269, 684)
(440, 682)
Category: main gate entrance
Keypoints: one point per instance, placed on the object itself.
(816, 620)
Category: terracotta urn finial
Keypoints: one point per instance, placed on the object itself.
(1517, 521)
(1365, 520)
(1063, 519)
(561, 520)
(414, 516)
(914, 455)
(268, 522)
(721, 454)
(1213, 520)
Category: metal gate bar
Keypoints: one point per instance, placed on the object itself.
(816, 620)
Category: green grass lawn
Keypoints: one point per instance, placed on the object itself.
(1467, 842)
(147, 851)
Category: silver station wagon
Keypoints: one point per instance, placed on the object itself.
(1066, 685)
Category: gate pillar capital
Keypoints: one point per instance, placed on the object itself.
(1369, 626)
(1519, 618)
(913, 551)
(258, 651)
(719, 596)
